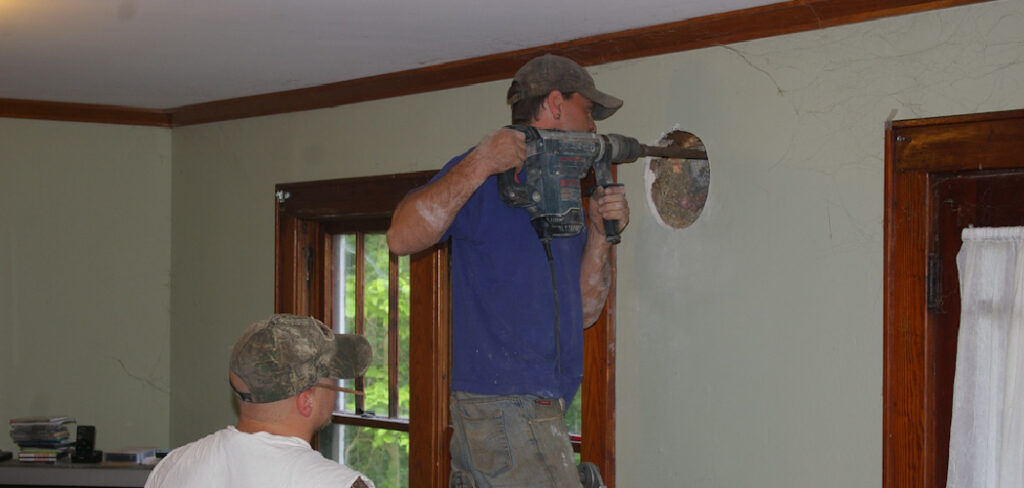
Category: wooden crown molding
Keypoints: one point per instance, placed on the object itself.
(712, 30)
(80, 112)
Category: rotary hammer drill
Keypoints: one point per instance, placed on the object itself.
(548, 185)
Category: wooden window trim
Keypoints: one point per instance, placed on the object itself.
(374, 422)
(393, 338)
(914, 151)
(359, 327)
(304, 221)
(598, 389)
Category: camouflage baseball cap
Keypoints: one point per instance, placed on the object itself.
(279, 357)
(544, 74)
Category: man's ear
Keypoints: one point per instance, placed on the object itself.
(304, 402)
(553, 104)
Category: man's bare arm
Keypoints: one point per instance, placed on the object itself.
(423, 216)
(596, 269)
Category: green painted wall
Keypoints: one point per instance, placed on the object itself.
(85, 257)
(749, 344)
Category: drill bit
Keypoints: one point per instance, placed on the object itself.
(673, 152)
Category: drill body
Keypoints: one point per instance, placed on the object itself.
(548, 185)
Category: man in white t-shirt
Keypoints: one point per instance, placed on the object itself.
(282, 372)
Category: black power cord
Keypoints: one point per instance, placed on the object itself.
(558, 315)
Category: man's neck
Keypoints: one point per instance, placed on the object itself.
(252, 426)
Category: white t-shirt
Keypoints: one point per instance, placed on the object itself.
(229, 458)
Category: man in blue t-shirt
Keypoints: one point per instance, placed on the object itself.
(511, 375)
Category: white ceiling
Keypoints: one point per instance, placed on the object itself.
(164, 54)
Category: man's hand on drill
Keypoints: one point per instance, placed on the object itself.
(608, 204)
(499, 151)
(423, 216)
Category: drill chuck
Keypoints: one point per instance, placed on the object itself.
(623, 149)
(619, 149)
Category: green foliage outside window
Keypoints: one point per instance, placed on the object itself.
(381, 454)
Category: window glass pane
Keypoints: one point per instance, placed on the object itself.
(346, 315)
(344, 300)
(375, 324)
(375, 300)
(403, 335)
(381, 455)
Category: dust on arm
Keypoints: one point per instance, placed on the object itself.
(423, 216)
(596, 267)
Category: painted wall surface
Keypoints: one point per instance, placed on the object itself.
(85, 261)
(750, 344)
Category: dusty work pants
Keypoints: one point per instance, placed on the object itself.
(516, 441)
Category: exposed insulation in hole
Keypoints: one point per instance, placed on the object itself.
(677, 189)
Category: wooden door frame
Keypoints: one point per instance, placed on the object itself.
(915, 150)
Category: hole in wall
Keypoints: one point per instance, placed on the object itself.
(677, 189)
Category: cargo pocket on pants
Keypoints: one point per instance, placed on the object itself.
(484, 426)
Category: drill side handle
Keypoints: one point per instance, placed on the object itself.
(603, 177)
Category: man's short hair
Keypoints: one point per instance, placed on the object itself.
(279, 357)
(525, 111)
(542, 75)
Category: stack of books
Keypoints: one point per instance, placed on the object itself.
(43, 439)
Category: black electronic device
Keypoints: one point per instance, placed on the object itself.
(85, 443)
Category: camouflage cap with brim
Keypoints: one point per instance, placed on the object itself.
(279, 357)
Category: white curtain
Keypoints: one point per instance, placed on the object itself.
(986, 446)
